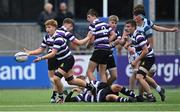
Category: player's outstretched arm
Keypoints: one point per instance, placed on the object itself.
(34, 52)
(83, 41)
(164, 29)
(47, 56)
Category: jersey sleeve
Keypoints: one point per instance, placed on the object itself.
(150, 23)
(44, 42)
(69, 36)
(148, 32)
(92, 28)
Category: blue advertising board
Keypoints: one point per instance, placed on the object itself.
(168, 70)
(23, 75)
(35, 75)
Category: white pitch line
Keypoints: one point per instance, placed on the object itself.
(91, 111)
(96, 105)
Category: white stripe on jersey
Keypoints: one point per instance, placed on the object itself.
(60, 31)
(98, 95)
(67, 33)
(102, 31)
(142, 43)
(150, 54)
(100, 39)
(100, 24)
(86, 97)
(56, 46)
(91, 28)
(68, 54)
(92, 98)
(44, 45)
(72, 38)
(79, 99)
(104, 45)
(62, 51)
(62, 45)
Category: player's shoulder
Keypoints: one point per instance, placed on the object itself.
(148, 22)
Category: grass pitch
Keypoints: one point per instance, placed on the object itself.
(38, 100)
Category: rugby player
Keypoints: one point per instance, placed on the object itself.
(61, 51)
(105, 93)
(146, 58)
(145, 26)
(102, 32)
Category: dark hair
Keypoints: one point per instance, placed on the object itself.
(132, 22)
(68, 21)
(139, 9)
(92, 12)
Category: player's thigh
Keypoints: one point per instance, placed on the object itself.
(92, 66)
(145, 66)
(51, 73)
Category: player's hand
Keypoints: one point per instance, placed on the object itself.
(131, 50)
(174, 29)
(37, 59)
(78, 90)
(89, 34)
(26, 50)
(133, 63)
(125, 32)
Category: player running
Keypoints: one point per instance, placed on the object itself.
(61, 51)
(146, 58)
(145, 26)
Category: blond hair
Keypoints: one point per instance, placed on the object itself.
(114, 18)
(51, 22)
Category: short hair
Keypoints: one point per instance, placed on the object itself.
(51, 22)
(114, 18)
(139, 9)
(68, 21)
(92, 12)
(132, 22)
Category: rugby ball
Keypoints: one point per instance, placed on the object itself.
(21, 57)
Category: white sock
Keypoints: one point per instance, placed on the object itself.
(158, 88)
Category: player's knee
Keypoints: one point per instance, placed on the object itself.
(152, 71)
(52, 80)
(70, 80)
(58, 75)
(139, 77)
(114, 76)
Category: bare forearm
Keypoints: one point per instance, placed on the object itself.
(143, 54)
(48, 56)
(162, 29)
(36, 51)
